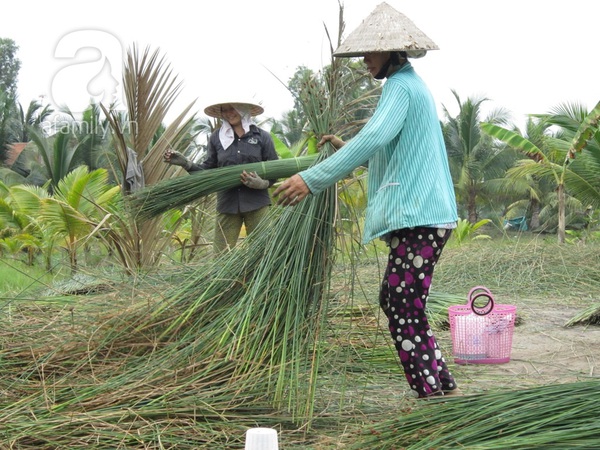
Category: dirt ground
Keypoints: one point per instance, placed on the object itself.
(544, 351)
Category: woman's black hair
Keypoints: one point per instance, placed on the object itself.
(395, 57)
(393, 61)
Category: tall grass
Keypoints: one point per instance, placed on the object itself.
(521, 266)
(16, 276)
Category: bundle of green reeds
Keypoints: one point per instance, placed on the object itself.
(553, 416)
(262, 303)
(437, 308)
(588, 316)
(178, 192)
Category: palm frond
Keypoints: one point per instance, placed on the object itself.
(513, 139)
(150, 90)
(587, 129)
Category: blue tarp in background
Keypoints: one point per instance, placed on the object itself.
(518, 223)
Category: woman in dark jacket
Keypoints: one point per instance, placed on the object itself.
(237, 141)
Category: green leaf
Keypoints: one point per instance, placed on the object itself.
(586, 130)
(515, 140)
(282, 150)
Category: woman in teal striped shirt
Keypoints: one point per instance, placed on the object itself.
(411, 202)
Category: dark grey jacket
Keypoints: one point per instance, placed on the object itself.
(254, 146)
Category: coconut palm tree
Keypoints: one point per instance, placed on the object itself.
(57, 153)
(19, 231)
(35, 117)
(474, 158)
(15, 125)
(91, 132)
(579, 134)
(525, 196)
(15, 129)
(556, 161)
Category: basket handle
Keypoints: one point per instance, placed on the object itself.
(479, 292)
(475, 290)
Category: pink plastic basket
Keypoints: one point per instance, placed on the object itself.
(481, 335)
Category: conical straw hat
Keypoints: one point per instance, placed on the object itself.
(252, 108)
(386, 30)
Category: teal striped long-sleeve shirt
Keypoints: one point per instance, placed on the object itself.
(409, 182)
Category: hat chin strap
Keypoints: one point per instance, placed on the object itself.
(384, 70)
(394, 62)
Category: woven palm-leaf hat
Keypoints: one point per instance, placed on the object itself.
(214, 110)
(386, 30)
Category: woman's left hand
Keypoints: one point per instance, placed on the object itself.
(252, 180)
(291, 191)
(335, 141)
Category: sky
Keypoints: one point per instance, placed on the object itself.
(526, 56)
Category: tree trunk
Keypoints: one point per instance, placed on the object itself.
(534, 207)
(472, 208)
(72, 251)
(561, 213)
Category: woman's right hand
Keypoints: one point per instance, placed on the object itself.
(335, 141)
(175, 158)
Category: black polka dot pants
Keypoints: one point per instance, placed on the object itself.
(404, 292)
